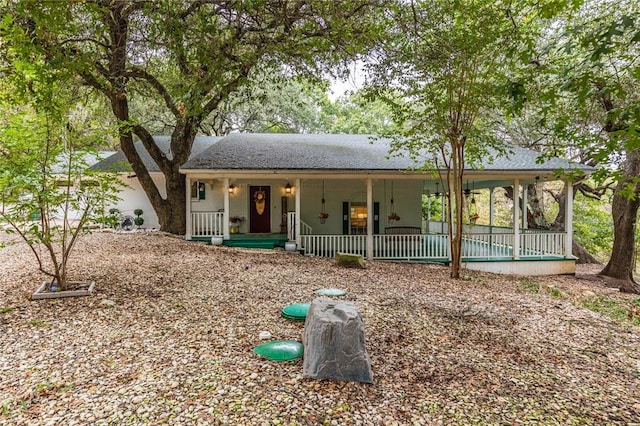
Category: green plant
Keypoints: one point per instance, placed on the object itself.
(554, 292)
(7, 310)
(616, 309)
(48, 194)
(39, 323)
(138, 220)
(529, 286)
(113, 219)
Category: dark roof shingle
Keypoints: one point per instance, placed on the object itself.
(255, 151)
(118, 162)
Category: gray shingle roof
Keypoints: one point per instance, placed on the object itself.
(254, 151)
(86, 159)
(118, 162)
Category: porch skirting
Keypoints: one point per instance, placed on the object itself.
(525, 267)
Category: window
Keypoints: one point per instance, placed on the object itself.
(197, 191)
(358, 219)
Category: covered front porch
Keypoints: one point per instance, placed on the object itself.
(380, 219)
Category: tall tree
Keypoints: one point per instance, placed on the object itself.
(442, 72)
(190, 55)
(585, 80)
(47, 194)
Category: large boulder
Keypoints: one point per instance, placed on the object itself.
(334, 344)
(350, 260)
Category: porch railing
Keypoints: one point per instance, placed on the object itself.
(542, 244)
(305, 229)
(436, 246)
(410, 246)
(328, 245)
(487, 245)
(207, 224)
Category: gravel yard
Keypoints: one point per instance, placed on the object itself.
(176, 346)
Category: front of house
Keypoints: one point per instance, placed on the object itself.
(343, 193)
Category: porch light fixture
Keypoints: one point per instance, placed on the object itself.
(232, 189)
(287, 188)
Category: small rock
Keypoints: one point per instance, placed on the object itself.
(106, 303)
(264, 335)
(351, 260)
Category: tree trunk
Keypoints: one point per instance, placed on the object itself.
(172, 212)
(625, 214)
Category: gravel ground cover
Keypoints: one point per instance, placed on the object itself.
(175, 346)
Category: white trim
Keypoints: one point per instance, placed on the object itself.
(369, 219)
(225, 196)
(188, 231)
(298, 196)
(491, 207)
(516, 218)
(568, 220)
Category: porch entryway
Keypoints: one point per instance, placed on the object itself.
(259, 209)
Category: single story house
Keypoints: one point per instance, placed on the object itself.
(344, 193)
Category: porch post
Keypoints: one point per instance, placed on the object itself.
(297, 223)
(188, 231)
(568, 220)
(516, 218)
(525, 222)
(491, 211)
(225, 216)
(369, 220)
(428, 212)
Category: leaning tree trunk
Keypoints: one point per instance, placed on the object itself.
(625, 214)
(172, 211)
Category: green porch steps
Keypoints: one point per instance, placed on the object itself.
(269, 241)
(266, 243)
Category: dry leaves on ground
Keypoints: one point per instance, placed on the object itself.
(176, 346)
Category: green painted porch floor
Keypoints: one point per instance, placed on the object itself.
(266, 241)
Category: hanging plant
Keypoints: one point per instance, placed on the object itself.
(393, 215)
(323, 215)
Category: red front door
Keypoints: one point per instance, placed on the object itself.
(260, 209)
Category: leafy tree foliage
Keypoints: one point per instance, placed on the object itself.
(190, 57)
(47, 195)
(583, 86)
(441, 72)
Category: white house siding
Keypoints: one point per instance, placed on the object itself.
(132, 197)
(406, 194)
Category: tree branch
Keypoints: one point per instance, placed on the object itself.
(142, 74)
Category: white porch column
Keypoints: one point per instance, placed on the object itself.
(525, 222)
(369, 220)
(297, 224)
(491, 209)
(188, 231)
(225, 217)
(428, 212)
(568, 220)
(516, 218)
